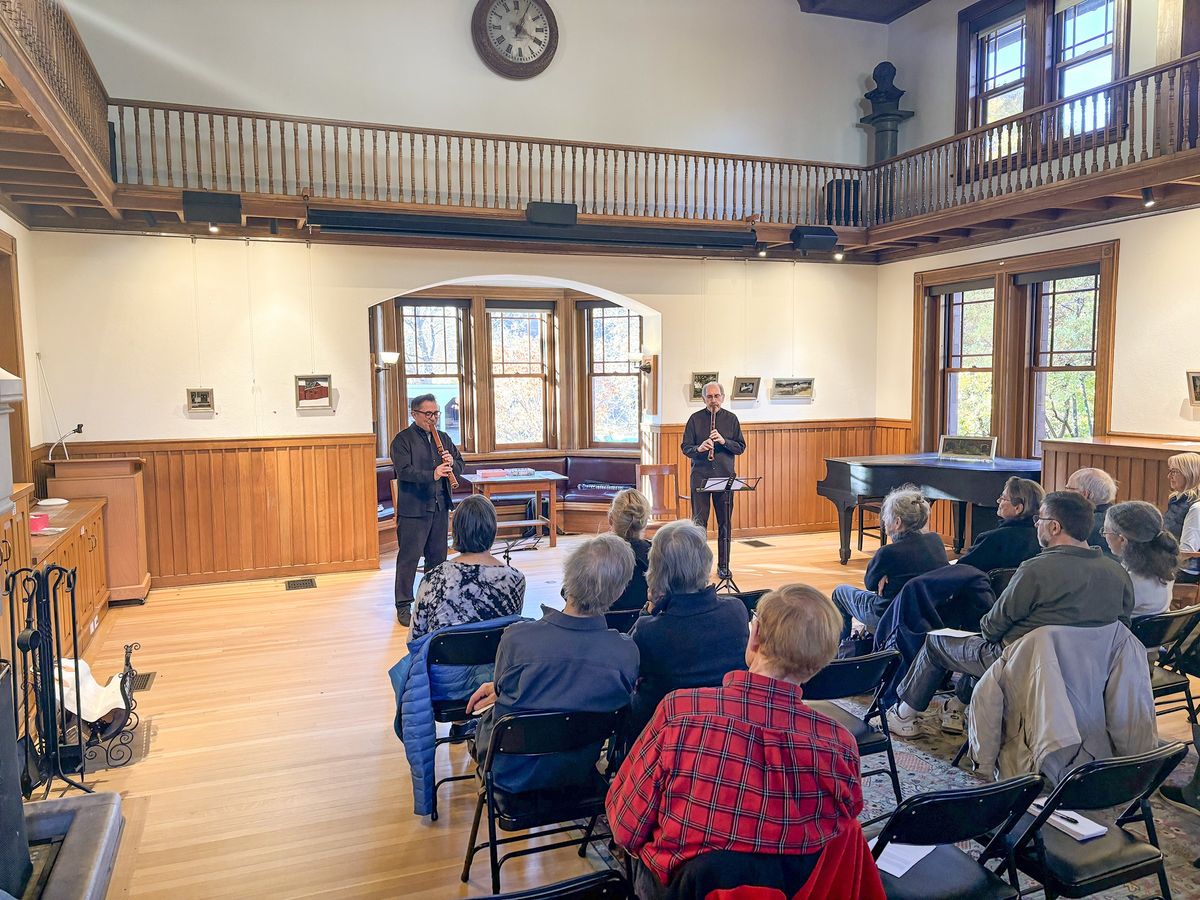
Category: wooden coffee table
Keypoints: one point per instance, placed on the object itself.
(537, 484)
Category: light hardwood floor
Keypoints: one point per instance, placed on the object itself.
(273, 769)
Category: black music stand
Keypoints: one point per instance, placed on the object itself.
(732, 485)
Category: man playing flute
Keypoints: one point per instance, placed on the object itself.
(711, 439)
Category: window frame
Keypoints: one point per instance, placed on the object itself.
(548, 376)
(465, 375)
(585, 312)
(946, 370)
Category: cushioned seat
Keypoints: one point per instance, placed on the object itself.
(530, 809)
(450, 711)
(870, 740)
(1163, 681)
(946, 874)
(1079, 868)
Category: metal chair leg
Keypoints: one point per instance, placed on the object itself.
(493, 849)
(466, 872)
(894, 774)
(962, 751)
(587, 835)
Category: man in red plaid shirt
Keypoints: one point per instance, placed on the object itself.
(746, 766)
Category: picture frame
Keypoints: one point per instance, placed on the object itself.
(314, 392)
(974, 448)
(793, 388)
(745, 387)
(200, 400)
(1193, 379)
(699, 380)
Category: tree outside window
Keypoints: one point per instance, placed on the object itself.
(519, 370)
(432, 359)
(1064, 359)
(969, 328)
(614, 336)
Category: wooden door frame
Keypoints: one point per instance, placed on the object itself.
(12, 356)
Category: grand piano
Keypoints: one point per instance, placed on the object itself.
(962, 482)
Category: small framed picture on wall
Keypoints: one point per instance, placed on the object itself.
(200, 400)
(745, 387)
(1194, 387)
(314, 392)
(699, 380)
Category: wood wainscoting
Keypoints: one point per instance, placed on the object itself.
(1139, 464)
(228, 510)
(790, 456)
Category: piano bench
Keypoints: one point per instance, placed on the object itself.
(870, 505)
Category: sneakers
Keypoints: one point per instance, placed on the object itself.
(1180, 797)
(917, 725)
(404, 614)
(951, 714)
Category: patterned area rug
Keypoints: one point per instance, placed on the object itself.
(924, 765)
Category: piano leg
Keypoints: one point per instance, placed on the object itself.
(960, 524)
(845, 520)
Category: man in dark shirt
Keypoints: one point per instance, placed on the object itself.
(913, 551)
(422, 497)
(1016, 539)
(718, 431)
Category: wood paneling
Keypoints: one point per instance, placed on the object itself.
(790, 456)
(1139, 464)
(253, 508)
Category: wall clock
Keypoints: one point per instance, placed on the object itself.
(515, 38)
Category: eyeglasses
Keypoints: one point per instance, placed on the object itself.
(1112, 534)
(429, 414)
(1006, 499)
(1174, 472)
(1044, 519)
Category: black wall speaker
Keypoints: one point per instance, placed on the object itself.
(814, 238)
(15, 866)
(207, 206)
(551, 213)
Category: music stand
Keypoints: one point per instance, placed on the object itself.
(733, 484)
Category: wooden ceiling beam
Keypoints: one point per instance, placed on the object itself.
(42, 200)
(34, 162)
(9, 175)
(27, 143)
(48, 190)
(18, 121)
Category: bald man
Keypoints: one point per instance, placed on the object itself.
(725, 441)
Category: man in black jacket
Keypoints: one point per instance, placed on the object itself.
(422, 497)
(719, 431)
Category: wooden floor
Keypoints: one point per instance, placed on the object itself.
(273, 769)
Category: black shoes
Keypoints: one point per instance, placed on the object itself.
(404, 614)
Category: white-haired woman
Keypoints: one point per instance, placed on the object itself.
(693, 637)
(911, 551)
(1182, 516)
(1101, 489)
(568, 661)
(627, 517)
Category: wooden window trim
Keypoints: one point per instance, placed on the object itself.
(1012, 372)
(397, 380)
(584, 390)
(549, 380)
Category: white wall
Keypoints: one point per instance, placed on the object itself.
(123, 332)
(751, 76)
(34, 396)
(1158, 302)
(924, 47)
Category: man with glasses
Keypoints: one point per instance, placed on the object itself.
(422, 497)
(1068, 583)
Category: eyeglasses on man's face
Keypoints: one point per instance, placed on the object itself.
(429, 413)
(1044, 519)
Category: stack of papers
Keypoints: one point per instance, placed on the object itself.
(897, 859)
(1072, 823)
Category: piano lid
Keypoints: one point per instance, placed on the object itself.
(933, 461)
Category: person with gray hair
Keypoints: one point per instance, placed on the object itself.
(568, 661)
(1137, 537)
(911, 551)
(474, 586)
(712, 438)
(1101, 490)
(693, 637)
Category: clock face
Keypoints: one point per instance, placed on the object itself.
(516, 38)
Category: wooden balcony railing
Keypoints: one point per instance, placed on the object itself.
(1144, 117)
(46, 34)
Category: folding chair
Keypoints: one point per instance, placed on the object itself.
(622, 620)
(1168, 631)
(597, 886)
(749, 598)
(999, 579)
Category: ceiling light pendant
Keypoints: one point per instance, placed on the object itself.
(1148, 199)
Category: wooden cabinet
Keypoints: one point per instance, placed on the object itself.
(80, 546)
(14, 535)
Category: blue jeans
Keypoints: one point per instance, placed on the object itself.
(855, 603)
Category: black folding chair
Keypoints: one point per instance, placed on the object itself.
(1068, 868)
(999, 579)
(945, 818)
(597, 886)
(622, 620)
(1168, 631)
(459, 648)
(852, 677)
(541, 734)
(750, 598)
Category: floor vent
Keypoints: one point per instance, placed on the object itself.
(756, 543)
(143, 681)
(300, 584)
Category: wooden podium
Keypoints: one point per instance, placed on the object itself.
(118, 480)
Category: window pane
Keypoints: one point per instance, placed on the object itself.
(520, 410)
(615, 409)
(1064, 406)
(1003, 52)
(969, 403)
(432, 340)
(615, 335)
(518, 343)
(1085, 27)
(1066, 323)
(970, 330)
(446, 390)
(1001, 106)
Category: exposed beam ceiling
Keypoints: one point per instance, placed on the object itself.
(883, 11)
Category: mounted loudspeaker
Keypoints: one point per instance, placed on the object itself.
(211, 207)
(813, 238)
(540, 213)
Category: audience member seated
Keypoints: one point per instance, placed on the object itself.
(913, 551)
(1068, 583)
(565, 661)
(1060, 697)
(1150, 554)
(693, 637)
(1098, 486)
(627, 517)
(473, 586)
(1182, 517)
(1016, 539)
(747, 766)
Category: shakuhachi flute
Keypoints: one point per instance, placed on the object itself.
(714, 428)
(437, 442)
